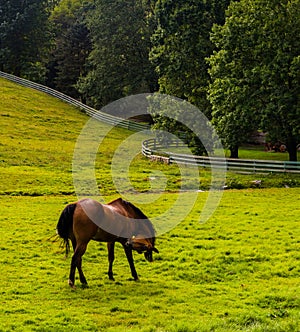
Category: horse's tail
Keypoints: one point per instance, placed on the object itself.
(64, 225)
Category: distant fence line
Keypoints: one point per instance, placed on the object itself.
(151, 147)
(101, 116)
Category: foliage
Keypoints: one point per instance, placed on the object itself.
(180, 45)
(24, 37)
(118, 64)
(255, 73)
(99, 51)
(71, 46)
(180, 118)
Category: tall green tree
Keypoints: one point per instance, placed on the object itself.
(181, 43)
(24, 37)
(118, 64)
(255, 73)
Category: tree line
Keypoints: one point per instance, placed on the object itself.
(237, 61)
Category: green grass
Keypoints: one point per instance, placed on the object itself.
(237, 272)
(259, 152)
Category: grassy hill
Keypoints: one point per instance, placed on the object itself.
(237, 272)
(38, 134)
(38, 138)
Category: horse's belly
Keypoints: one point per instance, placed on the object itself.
(103, 236)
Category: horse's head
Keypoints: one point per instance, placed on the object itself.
(143, 245)
(144, 240)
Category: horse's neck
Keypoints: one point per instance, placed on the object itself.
(131, 226)
(144, 230)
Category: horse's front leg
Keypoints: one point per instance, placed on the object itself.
(128, 252)
(111, 258)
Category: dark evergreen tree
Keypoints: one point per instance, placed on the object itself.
(71, 46)
(24, 37)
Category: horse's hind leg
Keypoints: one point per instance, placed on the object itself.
(81, 275)
(76, 262)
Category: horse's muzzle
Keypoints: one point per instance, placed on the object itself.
(148, 256)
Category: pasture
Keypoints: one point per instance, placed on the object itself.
(239, 271)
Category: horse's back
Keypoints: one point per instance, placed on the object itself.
(96, 221)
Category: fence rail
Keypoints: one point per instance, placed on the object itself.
(151, 148)
(101, 116)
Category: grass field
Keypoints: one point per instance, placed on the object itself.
(239, 271)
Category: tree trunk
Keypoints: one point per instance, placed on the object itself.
(292, 149)
(234, 151)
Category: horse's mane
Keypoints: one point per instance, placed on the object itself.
(139, 213)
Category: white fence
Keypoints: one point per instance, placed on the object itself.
(101, 116)
(152, 149)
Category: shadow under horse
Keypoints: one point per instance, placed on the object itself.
(118, 221)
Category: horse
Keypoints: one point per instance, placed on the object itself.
(118, 221)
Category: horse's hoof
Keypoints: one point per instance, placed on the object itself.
(71, 284)
(111, 277)
(84, 286)
(134, 279)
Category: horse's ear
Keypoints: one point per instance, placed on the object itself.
(155, 250)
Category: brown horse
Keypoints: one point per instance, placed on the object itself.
(117, 221)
